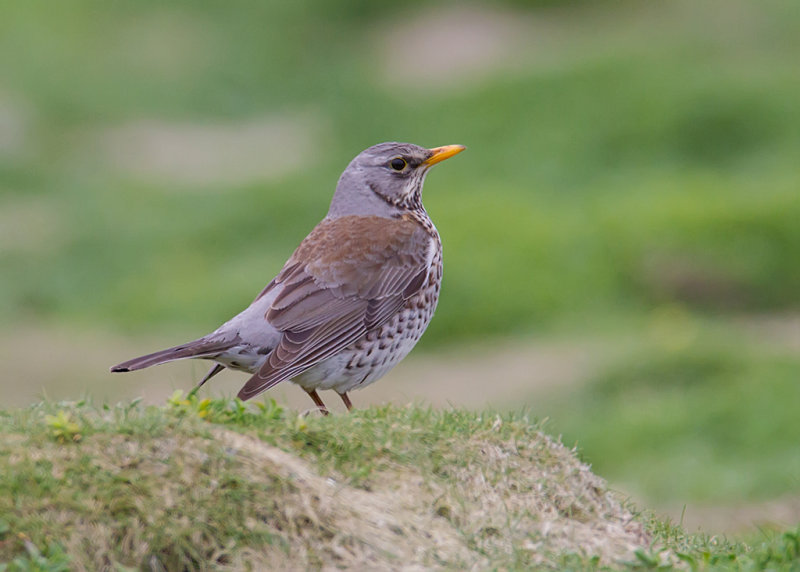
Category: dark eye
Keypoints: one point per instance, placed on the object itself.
(398, 163)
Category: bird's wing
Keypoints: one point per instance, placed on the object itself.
(351, 274)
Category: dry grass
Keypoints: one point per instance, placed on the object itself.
(160, 488)
(210, 154)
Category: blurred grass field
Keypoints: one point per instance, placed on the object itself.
(627, 161)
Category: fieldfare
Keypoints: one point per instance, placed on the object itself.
(352, 300)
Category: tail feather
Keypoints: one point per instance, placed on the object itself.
(197, 348)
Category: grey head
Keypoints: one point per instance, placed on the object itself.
(386, 179)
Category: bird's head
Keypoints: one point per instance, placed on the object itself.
(386, 178)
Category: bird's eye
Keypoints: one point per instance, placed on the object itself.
(398, 163)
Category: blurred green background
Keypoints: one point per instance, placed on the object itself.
(630, 200)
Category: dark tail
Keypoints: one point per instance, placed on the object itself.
(198, 348)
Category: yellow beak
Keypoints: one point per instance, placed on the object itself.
(442, 153)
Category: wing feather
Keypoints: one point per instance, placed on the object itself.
(336, 287)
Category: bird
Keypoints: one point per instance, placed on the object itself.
(352, 300)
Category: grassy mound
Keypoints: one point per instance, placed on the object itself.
(216, 484)
(200, 485)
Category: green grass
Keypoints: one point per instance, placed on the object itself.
(639, 169)
(769, 550)
(217, 484)
(695, 414)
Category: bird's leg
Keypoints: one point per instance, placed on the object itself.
(347, 402)
(214, 371)
(317, 401)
